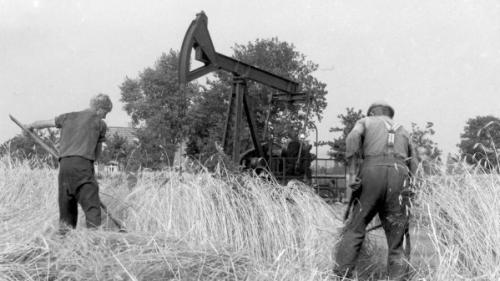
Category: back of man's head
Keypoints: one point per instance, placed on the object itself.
(380, 108)
(101, 102)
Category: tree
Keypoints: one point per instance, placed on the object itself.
(274, 56)
(338, 145)
(207, 118)
(158, 109)
(22, 147)
(422, 138)
(117, 149)
(480, 141)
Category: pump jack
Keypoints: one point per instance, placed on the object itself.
(198, 38)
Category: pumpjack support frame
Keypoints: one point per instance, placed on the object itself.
(197, 38)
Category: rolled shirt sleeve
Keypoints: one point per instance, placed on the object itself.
(353, 140)
(59, 120)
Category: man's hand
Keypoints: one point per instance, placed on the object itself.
(353, 182)
(29, 127)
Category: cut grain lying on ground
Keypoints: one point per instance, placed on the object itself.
(231, 222)
(207, 227)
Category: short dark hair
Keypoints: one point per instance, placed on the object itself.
(101, 101)
(382, 110)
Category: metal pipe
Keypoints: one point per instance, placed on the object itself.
(316, 160)
(316, 145)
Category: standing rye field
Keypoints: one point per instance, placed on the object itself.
(212, 227)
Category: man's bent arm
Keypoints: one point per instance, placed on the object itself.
(353, 168)
(353, 150)
(98, 150)
(42, 124)
(353, 140)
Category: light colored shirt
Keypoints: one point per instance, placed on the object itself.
(369, 137)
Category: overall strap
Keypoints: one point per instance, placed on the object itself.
(391, 130)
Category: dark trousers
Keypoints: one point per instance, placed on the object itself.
(382, 186)
(77, 185)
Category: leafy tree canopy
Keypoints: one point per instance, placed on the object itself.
(209, 110)
(158, 109)
(422, 137)
(347, 121)
(118, 149)
(22, 147)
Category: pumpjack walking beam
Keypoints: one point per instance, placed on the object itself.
(198, 38)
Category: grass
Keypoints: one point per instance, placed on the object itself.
(462, 214)
(221, 227)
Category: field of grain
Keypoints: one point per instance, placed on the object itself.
(208, 226)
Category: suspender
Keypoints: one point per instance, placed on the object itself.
(391, 130)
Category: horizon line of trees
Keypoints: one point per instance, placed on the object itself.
(165, 116)
(479, 144)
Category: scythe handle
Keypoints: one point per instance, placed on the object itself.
(35, 138)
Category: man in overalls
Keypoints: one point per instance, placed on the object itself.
(378, 183)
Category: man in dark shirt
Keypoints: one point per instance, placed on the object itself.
(82, 134)
(387, 153)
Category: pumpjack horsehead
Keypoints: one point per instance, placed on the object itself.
(263, 155)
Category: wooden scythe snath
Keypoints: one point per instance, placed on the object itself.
(50, 149)
(198, 38)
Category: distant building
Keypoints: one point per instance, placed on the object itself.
(125, 132)
(111, 167)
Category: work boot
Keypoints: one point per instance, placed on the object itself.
(63, 230)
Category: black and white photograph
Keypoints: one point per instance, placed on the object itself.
(301, 140)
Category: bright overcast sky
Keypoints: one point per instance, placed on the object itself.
(432, 60)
